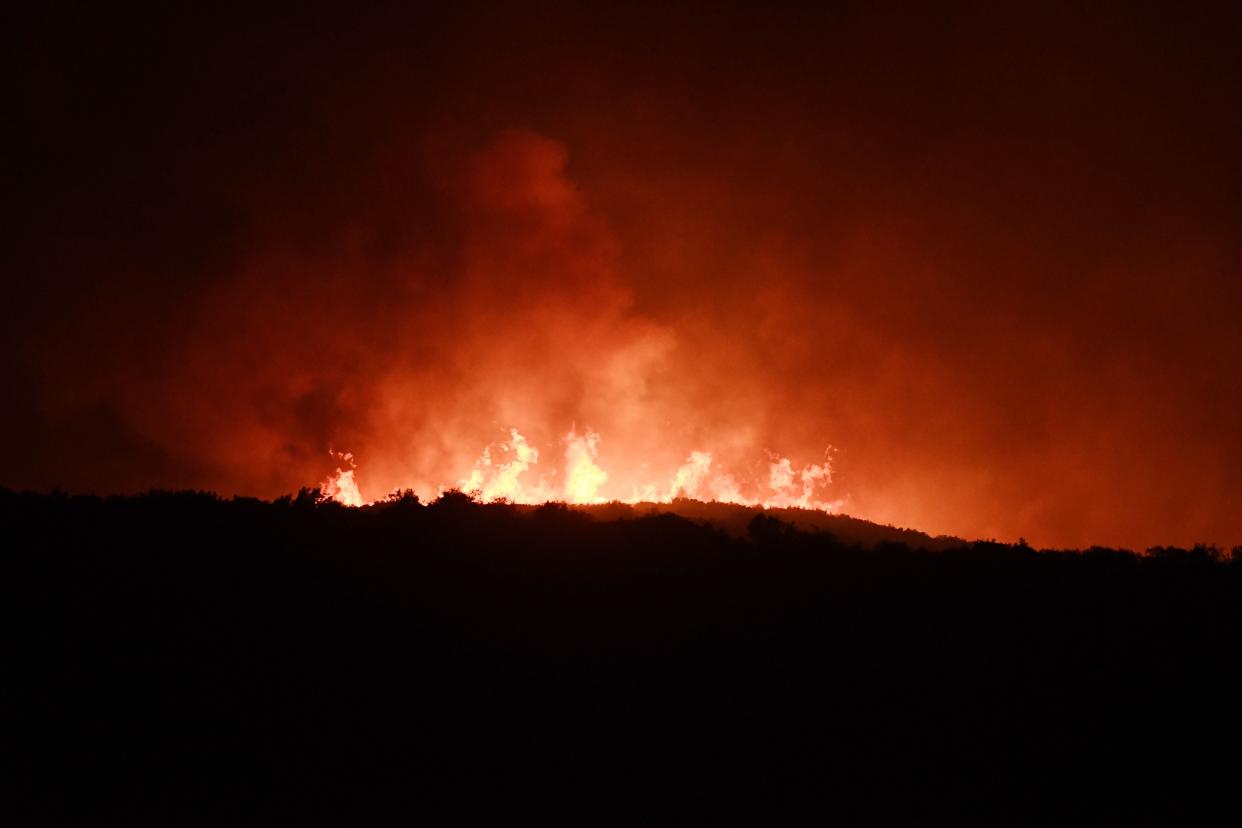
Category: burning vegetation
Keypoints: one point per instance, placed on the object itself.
(505, 472)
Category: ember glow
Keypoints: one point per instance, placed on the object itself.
(508, 471)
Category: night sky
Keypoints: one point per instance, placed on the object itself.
(989, 254)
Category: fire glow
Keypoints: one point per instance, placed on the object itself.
(506, 472)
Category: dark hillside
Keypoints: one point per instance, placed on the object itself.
(180, 659)
(735, 519)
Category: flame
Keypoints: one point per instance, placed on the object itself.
(506, 472)
(689, 478)
(795, 490)
(582, 476)
(341, 486)
(492, 481)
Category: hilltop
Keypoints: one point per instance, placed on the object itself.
(186, 659)
(735, 519)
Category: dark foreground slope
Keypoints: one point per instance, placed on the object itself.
(734, 519)
(183, 660)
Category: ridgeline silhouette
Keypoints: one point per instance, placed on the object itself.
(183, 659)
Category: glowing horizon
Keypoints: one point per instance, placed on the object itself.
(505, 472)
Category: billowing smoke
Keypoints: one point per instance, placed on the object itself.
(505, 355)
(534, 332)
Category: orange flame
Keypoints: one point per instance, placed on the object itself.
(506, 471)
(341, 486)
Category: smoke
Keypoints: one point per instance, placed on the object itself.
(416, 359)
(990, 261)
(535, 331)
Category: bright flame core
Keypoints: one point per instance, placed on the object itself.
(341, 486)
(505, 471)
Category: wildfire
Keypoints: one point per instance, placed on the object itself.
(341, 486)
(506, 471)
